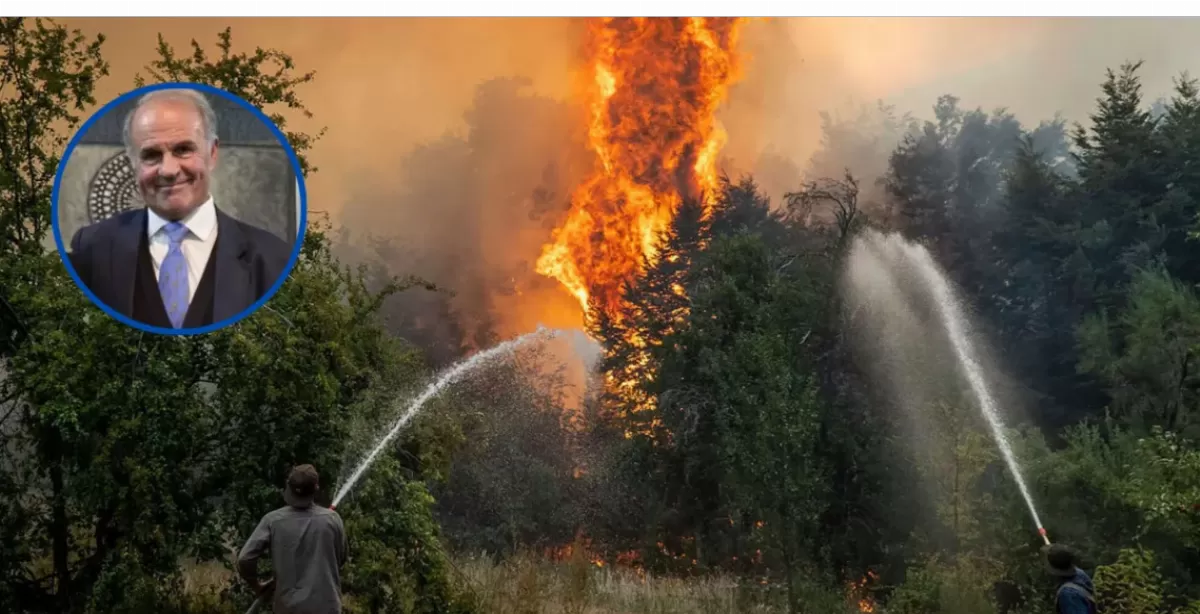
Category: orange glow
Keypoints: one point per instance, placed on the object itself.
(859, 593)
(654, 90)
(582, 547)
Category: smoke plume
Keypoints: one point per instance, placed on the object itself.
(454, 144)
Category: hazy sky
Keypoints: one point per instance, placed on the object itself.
(387, 85)
(463, 212)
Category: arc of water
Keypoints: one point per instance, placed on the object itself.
(953, 319)
(446, 378)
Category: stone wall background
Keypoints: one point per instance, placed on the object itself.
(253, 182)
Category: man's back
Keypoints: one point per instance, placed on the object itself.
(1075, 595)
(308, 547)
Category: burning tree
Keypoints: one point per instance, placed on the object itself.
(655, 88)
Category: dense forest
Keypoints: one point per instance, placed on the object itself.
(734, 445)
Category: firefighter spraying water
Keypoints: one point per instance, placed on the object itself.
(1075, 593)
(307, 546)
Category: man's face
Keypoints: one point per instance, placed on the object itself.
(172, 158)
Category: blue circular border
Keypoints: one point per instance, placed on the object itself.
(287, 269)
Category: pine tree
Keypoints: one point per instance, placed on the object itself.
(1121, 183)
(1178, 138)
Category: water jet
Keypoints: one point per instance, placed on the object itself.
(891, 269)
(444, 379)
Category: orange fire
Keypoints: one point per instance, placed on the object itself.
(655, 88)
(859, 592)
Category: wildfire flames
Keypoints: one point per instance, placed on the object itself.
(859, 592)
(655, 89)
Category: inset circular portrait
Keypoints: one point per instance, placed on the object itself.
(179, 208)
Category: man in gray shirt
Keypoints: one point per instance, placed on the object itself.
(308, 549)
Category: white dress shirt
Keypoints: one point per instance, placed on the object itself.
(197, 245)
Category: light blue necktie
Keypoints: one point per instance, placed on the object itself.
(173, 275)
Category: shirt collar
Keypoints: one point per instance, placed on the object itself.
(200, 222)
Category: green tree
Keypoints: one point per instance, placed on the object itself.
(741, 393)
(48, 74)
(1178, 138)
(362, 356)
(1112, 488)
(265, 79)
(513, 483)
(944, 183)
(953, 460)
(1033, 307)
(629, 415)
(130, 452)
(1122, 182)
(1131, 584)
(399, 565)
(1149, 357)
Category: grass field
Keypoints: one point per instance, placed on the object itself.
(530, 585)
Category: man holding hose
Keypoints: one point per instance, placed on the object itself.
(307, 544)
(1075, 593)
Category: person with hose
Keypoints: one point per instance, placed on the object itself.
(1075, 593)
(307, 546)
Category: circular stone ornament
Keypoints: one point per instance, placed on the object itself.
(113, 189)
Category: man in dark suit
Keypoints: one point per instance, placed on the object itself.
(180, 262)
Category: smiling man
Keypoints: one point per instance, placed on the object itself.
(180, 262)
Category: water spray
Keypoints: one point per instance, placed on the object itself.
(885, 251)
(446, 378)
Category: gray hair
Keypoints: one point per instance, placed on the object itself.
(208, 117)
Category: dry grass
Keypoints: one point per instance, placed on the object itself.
(209, 577)
(532, 585)
(524, 585)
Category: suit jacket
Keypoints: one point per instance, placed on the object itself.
(248, 261)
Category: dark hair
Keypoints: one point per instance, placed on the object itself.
(303, 480)
(1060, 557)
